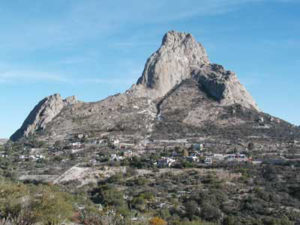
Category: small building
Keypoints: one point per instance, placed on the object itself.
(208, 160)
(93, 162)
(193, 158)
(3, 155)
(36, 157)
(236, 157)
(76, 145)
(165, 162)
(115, 157)
(241, 158)
(116, 142)
(124, 145)
(198, 147)
(229, 157)
(218, 157)
(22, 157)
(128, 154)
(257, 162)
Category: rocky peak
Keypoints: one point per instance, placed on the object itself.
(223, 85)
(70, 100)
(42, 114)
(181, 57)
(172, 62)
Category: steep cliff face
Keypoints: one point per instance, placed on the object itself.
(172, 62)
(42, 114)
(223, 86)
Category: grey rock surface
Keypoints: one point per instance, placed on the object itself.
(172, 62)
(223, 86)
(42, 114)
(181, 57)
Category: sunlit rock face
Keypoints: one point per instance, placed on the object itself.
(172, 62)
(42, 114)
(181, 57)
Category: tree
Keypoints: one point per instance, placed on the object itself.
(210, 213)
(270, 173)
(191, 209)
(251, 146)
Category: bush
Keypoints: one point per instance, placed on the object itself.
(191, 209)
(210, 213)
(112, 197)
(276, 221)
(34, 204)
(157, 221)
(51, 207)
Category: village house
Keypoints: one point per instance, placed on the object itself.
(126, 145)
(3, 155)
(242, 158)
(23, 157)
(193, 158)
(236, 157)
(93, 162)
(76, 145)
(115, 157)
(36, 157)
(165, 162)
(208, 160)
(116, 142)
(198, 147)
(218, 157)
(128, 154)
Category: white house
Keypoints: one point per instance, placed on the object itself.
(208, 160)
(165, 162)
(115, 157)
(76, 145)
(193, 158)
(218, 157)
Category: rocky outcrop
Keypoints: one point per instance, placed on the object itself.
(223, 86)
(42, 114)
(181, 57)
(70, 100)
(172, 62)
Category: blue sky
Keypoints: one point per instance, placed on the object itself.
(93, 49)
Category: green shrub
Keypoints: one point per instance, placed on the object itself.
(210, 213)
(43, 204)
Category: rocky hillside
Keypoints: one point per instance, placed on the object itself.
(3, 141)
(42, 114)
(180, 94)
